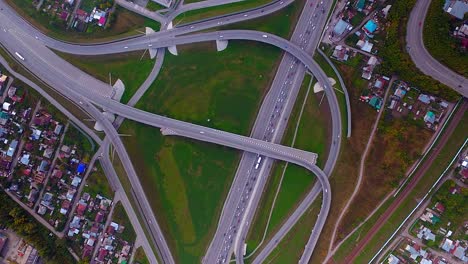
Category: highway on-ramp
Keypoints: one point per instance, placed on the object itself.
(54, 75)
(137, 44)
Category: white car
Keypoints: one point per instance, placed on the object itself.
(265, 36)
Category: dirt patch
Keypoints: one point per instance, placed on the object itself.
(396, 146)
(344, 176)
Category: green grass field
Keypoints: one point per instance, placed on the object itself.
(291, 247)
(119, 66)
(120, 217)
(187, 181)
(297, 181)
(278, 23)
(216, 89)
(140, 256)
(97, 183)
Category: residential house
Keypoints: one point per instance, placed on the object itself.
(370, 27)
(340, 27)
(426, 234)
(430, 216)
(456, 8)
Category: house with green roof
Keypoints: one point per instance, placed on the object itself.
(360, 4)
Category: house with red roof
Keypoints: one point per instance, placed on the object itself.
(80, 209)
(102, 254)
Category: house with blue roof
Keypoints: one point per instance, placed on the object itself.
(12, 148)
(370, 27)
(360, 4)
(340, 27)
(424, 98)
(457, 8)
(81, 168)
(376, 102)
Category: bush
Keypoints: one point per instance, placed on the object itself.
(438, 27)
(397, 60)
(52, 249)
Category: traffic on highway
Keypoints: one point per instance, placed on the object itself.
(43, 62)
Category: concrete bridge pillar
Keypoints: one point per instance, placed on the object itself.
(221, 45)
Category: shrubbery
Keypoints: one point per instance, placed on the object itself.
(52, 249)
(397, 60)
(438, 28)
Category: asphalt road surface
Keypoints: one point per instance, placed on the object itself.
(135, 44)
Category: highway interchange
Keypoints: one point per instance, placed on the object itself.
(22, 42)
(250, 179)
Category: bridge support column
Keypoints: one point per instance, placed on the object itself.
(221, 45)
(173, 50)
(167, 132)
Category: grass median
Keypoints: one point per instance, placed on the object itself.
(296, 181)
(219, 10)
(109, 68)
(187, 181)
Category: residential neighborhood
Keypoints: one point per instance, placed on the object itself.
(438, 233)
(45, 164)
(222, 131)
(82, 15)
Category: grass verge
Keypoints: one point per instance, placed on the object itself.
(140, 256)
(291, 247)
(97, 183)
(120, 217)
(280, 23)
(119, 66)
(209, 12)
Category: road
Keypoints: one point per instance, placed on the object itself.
(345, 91)
(421, 57)
(306, 35)
(270, 124)
(109, 105)
(56, 77)
(111, 132)
(416, 177)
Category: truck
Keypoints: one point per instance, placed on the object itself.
(19, 56)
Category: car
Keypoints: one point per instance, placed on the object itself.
(150, 45)
(192, 27)
(265, 36)
(125, 47)
(246, 15)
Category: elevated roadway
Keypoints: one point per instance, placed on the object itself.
(139, 44)
(17, 41)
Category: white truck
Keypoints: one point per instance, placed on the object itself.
(19, 56)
